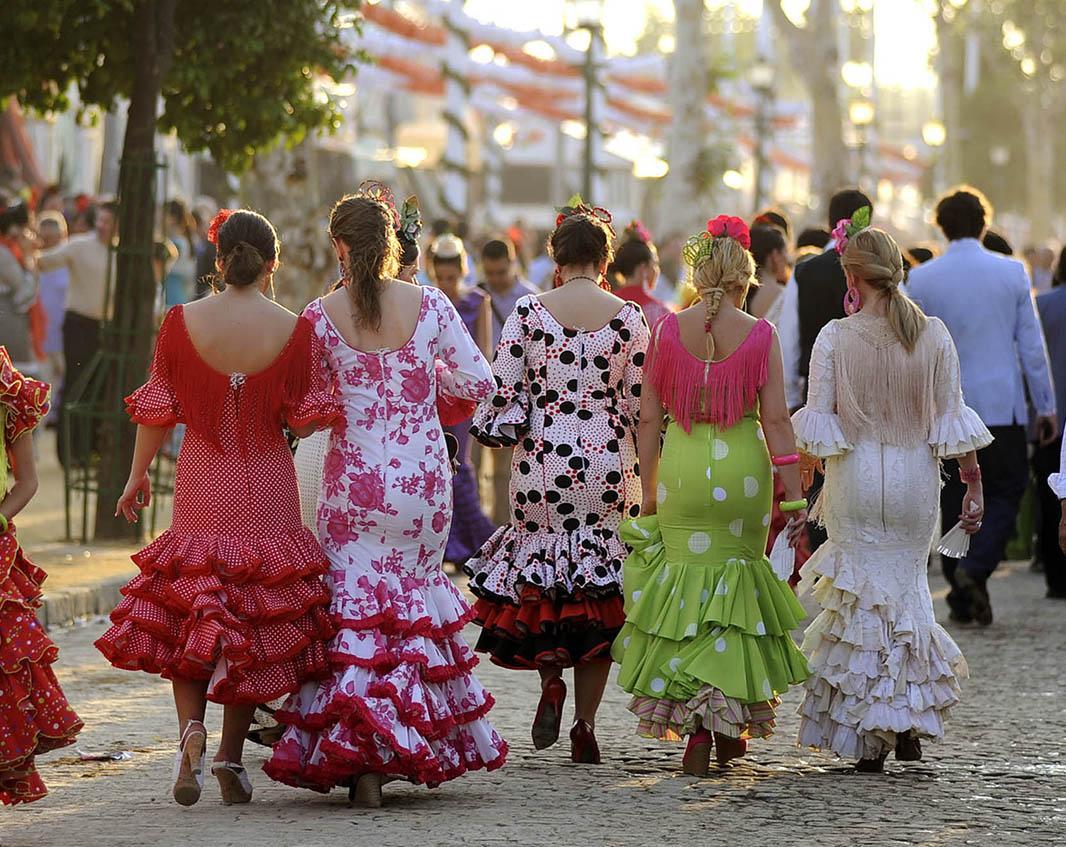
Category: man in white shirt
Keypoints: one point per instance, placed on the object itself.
(985, 301)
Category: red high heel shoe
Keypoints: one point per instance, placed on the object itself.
(727, 749)
(549, 717)
(697, 760)
(583, 747)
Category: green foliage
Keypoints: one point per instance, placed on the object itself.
(244, 73)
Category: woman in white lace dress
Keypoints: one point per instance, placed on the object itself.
(884, 407)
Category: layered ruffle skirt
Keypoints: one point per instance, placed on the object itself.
(34, 715)
(250, 615)
(402, 700)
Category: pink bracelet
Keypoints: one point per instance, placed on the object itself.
(790, 459)
(970, 476)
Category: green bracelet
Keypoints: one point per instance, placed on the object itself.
(3, 524)
(793, 505)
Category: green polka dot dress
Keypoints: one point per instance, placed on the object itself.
(707, 639)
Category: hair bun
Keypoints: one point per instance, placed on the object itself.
(242, 265)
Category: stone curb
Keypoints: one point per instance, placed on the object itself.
(65, 607)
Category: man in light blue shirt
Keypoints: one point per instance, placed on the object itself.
(985, 301)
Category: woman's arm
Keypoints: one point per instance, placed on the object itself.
(649, 434)
(780, 437)
(138, 492)
(25, 471)
(484, 328)
(973, 502)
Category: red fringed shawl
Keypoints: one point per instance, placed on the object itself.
(695, 390)
(201, 391)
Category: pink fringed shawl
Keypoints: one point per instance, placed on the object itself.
(694, 390)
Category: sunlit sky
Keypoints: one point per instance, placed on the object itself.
(904, 31)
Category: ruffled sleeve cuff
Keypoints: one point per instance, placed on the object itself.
(819, 433)
(316, 408)
(1057, 481)
(154, 404)
(495, 427)
(27, 400)
(957, 433)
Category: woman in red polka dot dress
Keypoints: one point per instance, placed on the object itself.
(568, 373)
(402, 702)
(34, 715)
(229, 605)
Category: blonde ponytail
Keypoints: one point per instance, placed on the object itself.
(873, 256)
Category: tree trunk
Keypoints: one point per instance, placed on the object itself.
(1038, 115)
(949, 70)
(135, 288)
(816, 58)
(683, 212)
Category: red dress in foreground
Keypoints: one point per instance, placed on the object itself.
(34, 714)
(232, 592)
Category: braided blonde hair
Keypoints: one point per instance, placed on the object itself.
(873, 256)
(728, 270)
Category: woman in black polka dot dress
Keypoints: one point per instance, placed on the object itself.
(568, 374)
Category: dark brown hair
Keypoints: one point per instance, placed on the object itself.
(247, 243)
(963, 213)
(581, 240)
(367, 227)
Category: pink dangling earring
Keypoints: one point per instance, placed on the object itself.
(852, 301)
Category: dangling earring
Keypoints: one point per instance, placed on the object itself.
(852, 301)
(557, 280)
(342, 270)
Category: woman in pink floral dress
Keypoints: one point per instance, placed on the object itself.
(402, 701)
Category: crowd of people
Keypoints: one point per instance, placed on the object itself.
(657, 441)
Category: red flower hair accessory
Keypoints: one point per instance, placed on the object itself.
(216, 224)
(730, 226)
(636, 231)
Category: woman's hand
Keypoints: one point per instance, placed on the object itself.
(137, 496)
(649, 507)
(1062, 528)
(797, 524)
(973, 509)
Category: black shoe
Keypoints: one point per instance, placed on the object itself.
(871, 765)
(977, 595)
(959, 617)
(908, 748)
(1055, 594)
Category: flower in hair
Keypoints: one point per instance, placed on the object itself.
(636, 231)
(410, 220)
(371, 189)
(216, 224)
(576, 207)
(730, 226)
(848, 228)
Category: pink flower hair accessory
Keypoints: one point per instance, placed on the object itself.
(636, 231)
(216, 224)
(730, 226)
(848, 228)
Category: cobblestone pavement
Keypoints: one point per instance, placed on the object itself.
(999, 779)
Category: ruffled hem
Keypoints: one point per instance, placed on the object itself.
(819, 433)
(555, 563)
(34, 713)
(26, 400)
(877, 670)
(397, 606)
(250, 615)
(692, 626)
(957, 433)
(542, 632)
(669, 720)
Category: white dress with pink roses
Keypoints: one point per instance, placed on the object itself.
(402, 700)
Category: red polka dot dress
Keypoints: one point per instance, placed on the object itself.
(232, 593)
(549, 584)
(34, 714)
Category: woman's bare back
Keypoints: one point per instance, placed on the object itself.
(238, 334)
(583, 307)
(729, 330)
(401, 305)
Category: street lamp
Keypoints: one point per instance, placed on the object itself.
(761, 77)
(588, 15)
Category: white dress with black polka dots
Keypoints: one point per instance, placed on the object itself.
(568, 400)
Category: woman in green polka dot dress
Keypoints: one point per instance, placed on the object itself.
(706, 648)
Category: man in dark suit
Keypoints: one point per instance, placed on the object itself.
(1052, 308)
(812, 298)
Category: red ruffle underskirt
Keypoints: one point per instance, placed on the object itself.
(249, 614)
(543, 632)
(34, 715)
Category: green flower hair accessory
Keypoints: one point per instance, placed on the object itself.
(576, 206)
(410, 227)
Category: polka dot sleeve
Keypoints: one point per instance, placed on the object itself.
(155, 403)
(504, 415)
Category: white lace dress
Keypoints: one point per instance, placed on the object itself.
(882, 419)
